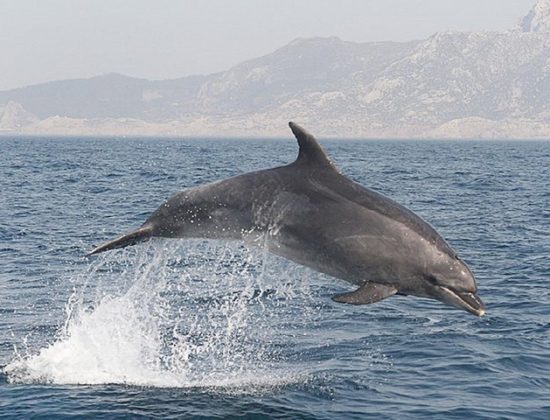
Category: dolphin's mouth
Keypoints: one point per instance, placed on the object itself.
(464, 300)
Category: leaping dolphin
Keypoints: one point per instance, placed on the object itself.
(310, 213)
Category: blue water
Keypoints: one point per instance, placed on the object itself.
(176, 328)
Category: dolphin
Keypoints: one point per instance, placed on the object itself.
(312, 214)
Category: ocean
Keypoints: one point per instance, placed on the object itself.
(217, 329)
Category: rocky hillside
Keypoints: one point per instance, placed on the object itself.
(453, 84)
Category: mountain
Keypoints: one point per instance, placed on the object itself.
(453, 84)
(13, 117)
(303, 66)
(106, 96)
(538, 19)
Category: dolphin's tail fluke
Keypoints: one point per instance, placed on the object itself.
(132, 238)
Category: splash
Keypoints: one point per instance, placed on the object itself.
(175, 314)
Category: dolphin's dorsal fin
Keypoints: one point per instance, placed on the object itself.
(311, 152)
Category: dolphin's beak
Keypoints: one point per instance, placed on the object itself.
(463, 300)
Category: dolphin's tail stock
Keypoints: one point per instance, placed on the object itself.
(132, 238)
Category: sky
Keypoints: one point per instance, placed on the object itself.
(44, 40)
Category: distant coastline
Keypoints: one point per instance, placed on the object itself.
(469, 85)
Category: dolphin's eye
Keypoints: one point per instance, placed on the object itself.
(432, 279)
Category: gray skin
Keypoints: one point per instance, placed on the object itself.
(313, 215)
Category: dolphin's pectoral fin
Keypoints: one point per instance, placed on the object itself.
(367, 293)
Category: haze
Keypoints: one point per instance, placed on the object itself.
(59, 39)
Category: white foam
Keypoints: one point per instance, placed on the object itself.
(171, 314)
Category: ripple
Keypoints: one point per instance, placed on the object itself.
(207, 329)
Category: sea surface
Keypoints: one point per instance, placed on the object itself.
(213, 329)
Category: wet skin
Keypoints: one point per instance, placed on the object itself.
(313, 215)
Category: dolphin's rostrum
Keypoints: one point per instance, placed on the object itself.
(313, 215)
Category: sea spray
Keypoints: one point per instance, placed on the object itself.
(176, 314)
